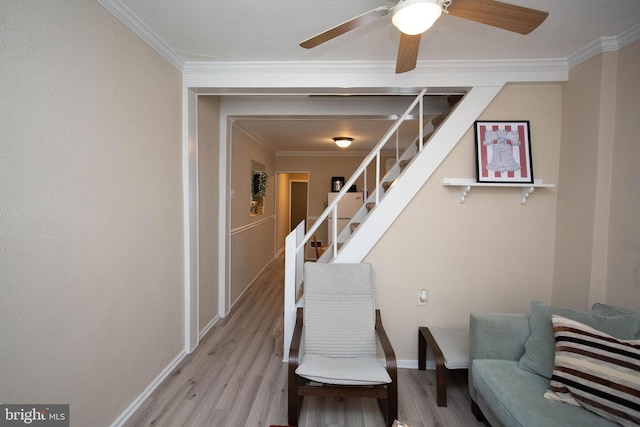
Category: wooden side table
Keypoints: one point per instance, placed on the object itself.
(450, 348)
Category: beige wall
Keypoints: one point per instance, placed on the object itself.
(597, 256)
(623, 276)
(580, 173)
(91, 206)
(490, 253)
(252, 238)
(208, 207)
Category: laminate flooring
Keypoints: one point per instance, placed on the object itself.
(235, 379)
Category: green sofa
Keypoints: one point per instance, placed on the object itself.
(506, 350)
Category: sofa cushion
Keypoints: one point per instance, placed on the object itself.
(515, 397)
(596, 371)
(610, 310)
(540, 346)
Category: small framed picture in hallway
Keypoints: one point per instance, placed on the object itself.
(503, 152)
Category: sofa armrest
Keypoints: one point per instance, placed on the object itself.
(496, 336)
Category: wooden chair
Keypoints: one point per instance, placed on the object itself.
(335, 341)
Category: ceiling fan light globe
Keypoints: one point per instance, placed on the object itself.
(416, 16)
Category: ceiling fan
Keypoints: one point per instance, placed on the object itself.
(414, 17)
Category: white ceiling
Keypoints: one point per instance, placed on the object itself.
(315, 134)
(261, 30)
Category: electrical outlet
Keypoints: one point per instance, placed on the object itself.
(422, 297)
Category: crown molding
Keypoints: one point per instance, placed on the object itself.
(256, 138)
(604, 44)
(129, 19)
(629, 36)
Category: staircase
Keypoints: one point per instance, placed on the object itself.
(388, 180)
(391, 194)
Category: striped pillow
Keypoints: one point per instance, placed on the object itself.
(596, 371)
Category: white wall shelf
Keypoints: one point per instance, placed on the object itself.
(465, 185)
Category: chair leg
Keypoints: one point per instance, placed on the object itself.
(293, 410)
(294, 401)
(389, 406)
(393, 403)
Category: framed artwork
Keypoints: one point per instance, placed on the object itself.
(503, 152)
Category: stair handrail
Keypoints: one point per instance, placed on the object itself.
(373, 154)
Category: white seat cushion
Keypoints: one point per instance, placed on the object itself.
(343, 371)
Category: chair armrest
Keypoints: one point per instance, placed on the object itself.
(294, 350)
(498, 335)
(389, 354)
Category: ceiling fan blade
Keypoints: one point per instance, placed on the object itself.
(509, 17)
(407, 52)
(349, 25)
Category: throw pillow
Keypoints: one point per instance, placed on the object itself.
(540, 346)
(596, 371)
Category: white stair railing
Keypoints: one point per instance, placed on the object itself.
(332, 208)
(293, 266)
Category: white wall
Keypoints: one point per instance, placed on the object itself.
(91, 208)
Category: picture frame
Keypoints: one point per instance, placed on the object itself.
(503, 151)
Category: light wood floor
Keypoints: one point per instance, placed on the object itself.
(234, 379)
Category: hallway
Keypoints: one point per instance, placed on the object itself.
(235, 379)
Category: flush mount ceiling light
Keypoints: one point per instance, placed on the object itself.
(343, 141)
(416, 16)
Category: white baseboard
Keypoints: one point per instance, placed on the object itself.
(208, 327)
(251, 283)
(138, 401)
(413, 364)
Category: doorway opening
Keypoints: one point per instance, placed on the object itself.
(298, 198)
(292, 204)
